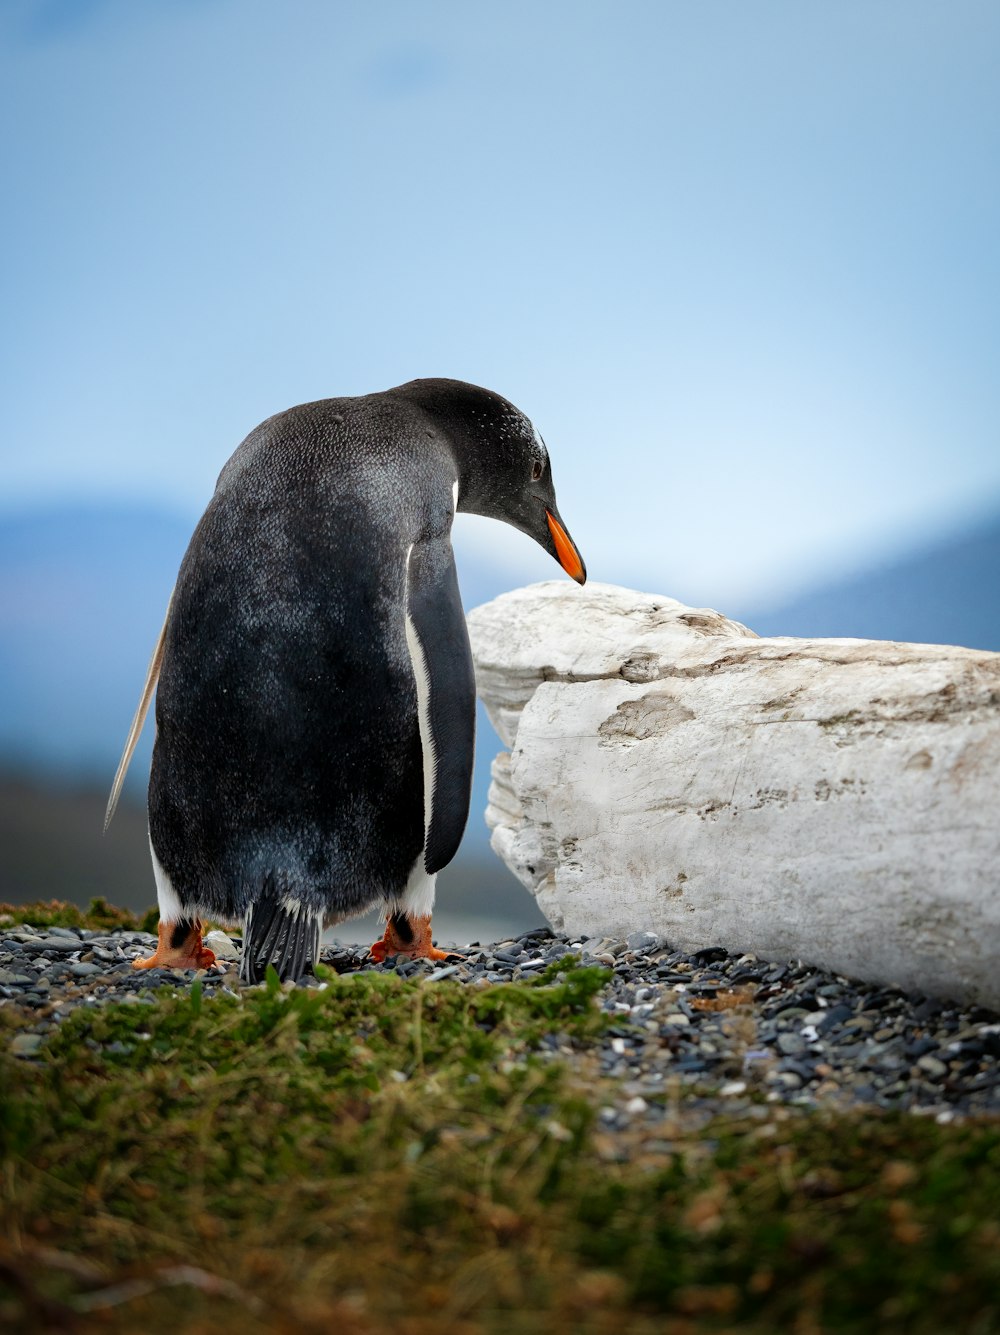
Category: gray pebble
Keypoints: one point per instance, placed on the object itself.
(26, 1045)
(791, 1044)
(222, 945)
(931, 1066)
(446, 972)
(792, 1013)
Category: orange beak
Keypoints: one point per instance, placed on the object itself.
(569, 557)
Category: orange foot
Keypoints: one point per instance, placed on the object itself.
(410, 937)
(178, 947)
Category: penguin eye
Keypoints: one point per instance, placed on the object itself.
(536, 471)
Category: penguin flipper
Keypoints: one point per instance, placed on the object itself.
(280, 933)
(438, 640)
(152, 677)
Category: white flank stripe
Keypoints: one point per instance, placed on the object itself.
(166, 896)
(423, 715)
(422, 682)
(417, 900)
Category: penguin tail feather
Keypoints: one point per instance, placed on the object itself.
(149, 686)
(277, 933)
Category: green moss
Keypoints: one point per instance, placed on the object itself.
(389, 1154)
(58, 913)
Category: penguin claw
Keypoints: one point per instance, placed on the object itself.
(435, 954)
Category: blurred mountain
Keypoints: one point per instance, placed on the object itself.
(947, 593)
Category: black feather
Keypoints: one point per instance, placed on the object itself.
(305, 948)
(286, 952)
(273, 935)
(260, 936)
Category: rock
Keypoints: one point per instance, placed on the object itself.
(221, 944)
(25, 1045)
(831, 801)
(83, 970)
(641, 943)
(791, 1044)
(933, 1067)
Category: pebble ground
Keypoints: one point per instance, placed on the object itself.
(705, 1032)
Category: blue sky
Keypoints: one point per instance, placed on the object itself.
(738, 261)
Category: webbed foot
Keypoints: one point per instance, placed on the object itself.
(178, 947)
(410, 937)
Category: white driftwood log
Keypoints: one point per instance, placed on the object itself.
(836, 801)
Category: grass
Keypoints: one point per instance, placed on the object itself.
(397, 1155)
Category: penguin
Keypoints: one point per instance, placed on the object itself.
(315, 695)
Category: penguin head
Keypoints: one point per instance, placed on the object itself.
(501, 463)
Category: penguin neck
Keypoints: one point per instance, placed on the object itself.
(472, 493)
